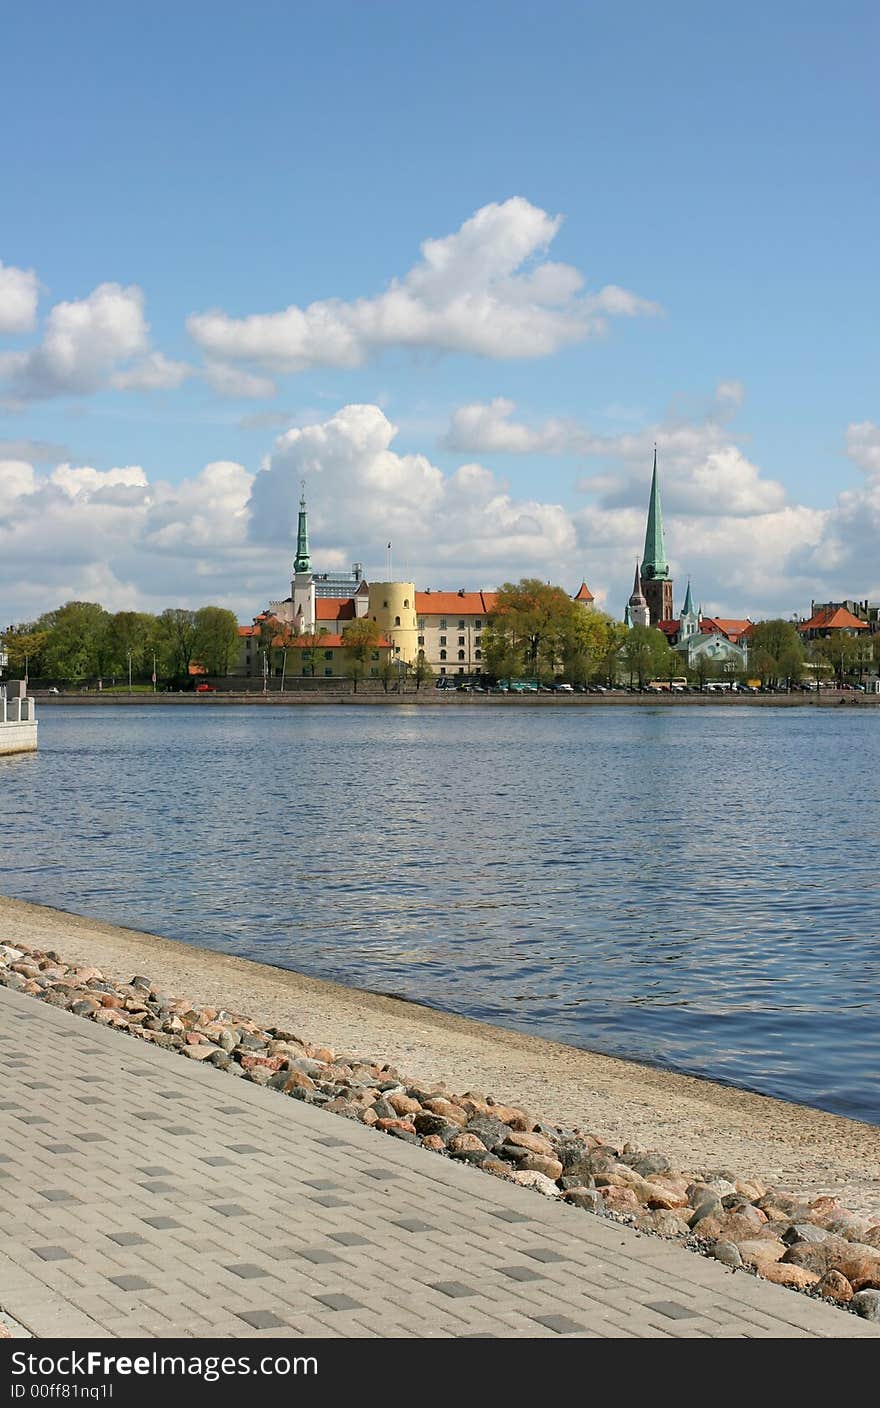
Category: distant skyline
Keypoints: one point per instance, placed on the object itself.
(458, 269)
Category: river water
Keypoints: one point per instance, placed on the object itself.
(697, 888)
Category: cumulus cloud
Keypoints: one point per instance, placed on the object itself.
(486, 427)
(19, 291)
(155, 372)
(237, 383)
(703, 468)
(225, 534)
(363, 492)
(83, 344)
(488, 289)
(89, 344)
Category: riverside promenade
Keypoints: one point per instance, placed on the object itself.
(146, 1196)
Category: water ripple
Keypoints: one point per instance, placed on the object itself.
(692, 888)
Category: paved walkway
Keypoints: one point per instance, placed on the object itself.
(145, 1195)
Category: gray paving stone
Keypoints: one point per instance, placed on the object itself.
(293, 1188)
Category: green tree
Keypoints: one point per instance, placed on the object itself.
(215, 643)
(845, 655)
(532, 622)
(134, 632)
(422, 672)
(176, 631)
(776, 651)
(590, 644)
(361, 639)
(645, 655)
(76, 643)
(24, 645)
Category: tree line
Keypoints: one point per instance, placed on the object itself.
(81, 641)
(535, 631)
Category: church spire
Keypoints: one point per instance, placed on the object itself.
(302, 562)
(638, 613)
(688, 608)
(654, 563)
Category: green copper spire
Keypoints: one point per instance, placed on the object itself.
(628, 617)
(654, 563)
(302, 561)
(688, 608)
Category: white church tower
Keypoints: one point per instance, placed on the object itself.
(302, 588)
(639, 613)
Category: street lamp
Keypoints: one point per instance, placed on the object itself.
(128, 653)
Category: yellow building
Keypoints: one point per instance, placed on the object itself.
(392, 605)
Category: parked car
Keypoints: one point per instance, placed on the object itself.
(560, 687)
(206, 689)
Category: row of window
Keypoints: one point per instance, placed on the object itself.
(478, 640)
(478, 655)
(442, 624)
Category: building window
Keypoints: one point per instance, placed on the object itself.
(461, 640)
(478, 654)
(478, 625)
(478, 640)
(421, 640)
(328, 654)
(385, 603)
(443, 669)
(461, 655)
(461, 669)
(373, 670)
(374, 655)
(421, 654)
(443, 656)
(442, 640)
(406, 603)
(397, 620)
(443, 623)
(421, 623)
(461, 625)
(329, 672)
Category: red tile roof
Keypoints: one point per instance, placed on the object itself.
(455, 603)
(838, 619)
(334, 608)
(668, 628)
(584, 593)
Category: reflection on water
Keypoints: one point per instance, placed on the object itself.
(696, 888)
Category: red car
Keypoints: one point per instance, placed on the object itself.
(206, 689)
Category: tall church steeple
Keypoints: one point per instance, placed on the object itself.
(656, 581)
(302, 561)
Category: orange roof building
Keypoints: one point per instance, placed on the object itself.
(829, 620)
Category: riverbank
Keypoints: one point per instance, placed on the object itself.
(693, 1121)
(451, 699)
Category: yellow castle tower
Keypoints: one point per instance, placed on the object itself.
(392, 605)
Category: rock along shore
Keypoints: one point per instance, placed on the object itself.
(813, 1245)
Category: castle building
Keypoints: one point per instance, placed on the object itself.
(319, 600)
(655, 576)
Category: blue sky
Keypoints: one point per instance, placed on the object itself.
(720, 166)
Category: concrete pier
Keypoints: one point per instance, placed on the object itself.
(18, 722)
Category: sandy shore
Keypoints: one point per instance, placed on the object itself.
(697, 1123)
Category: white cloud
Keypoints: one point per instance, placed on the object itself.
(863, 446)
(224, 534)
(362, 492)
(19, 291)
(17, 478)
(484, 428)
(83, 344)
(89, 344)
(237, 384)
(155, 372)
(488, 289)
